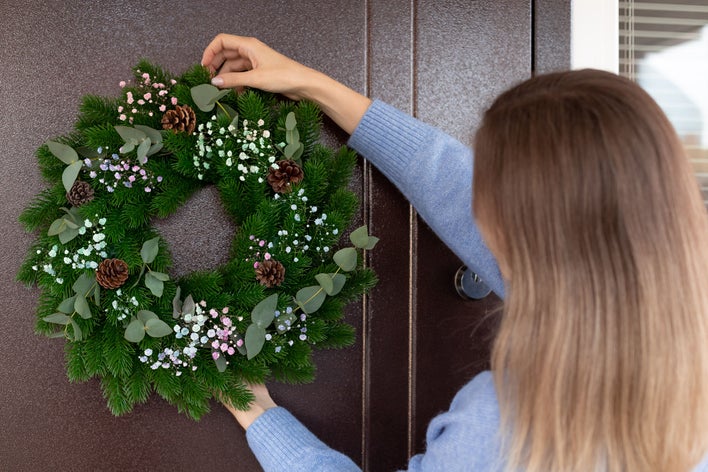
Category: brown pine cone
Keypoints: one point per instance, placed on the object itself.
(270, 273)
(80, 193)
(112, 273)
(285, 176)
(182, 118)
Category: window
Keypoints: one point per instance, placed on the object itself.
(663, 45)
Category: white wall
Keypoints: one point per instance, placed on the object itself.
(594, 35)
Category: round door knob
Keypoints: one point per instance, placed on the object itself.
(469, 286)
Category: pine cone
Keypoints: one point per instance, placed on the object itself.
(112, 273)
(270, 273)
(182, 118)
(287, 174)
(80, 193)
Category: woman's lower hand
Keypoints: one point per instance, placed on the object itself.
(262, 402)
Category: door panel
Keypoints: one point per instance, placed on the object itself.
(418, 341)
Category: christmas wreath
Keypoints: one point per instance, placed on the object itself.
(103, 269)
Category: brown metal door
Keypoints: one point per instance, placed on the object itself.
(440, 60)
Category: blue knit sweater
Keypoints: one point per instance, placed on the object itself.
(416, 158)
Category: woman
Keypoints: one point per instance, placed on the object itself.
(587, 202)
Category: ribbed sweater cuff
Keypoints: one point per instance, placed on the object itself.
(279, 440)
(389, 138)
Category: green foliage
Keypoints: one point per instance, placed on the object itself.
(96, 109)
(108, 332)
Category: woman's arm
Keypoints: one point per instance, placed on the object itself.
(433, 170)
(247, 62)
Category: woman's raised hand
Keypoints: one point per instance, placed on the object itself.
(241, 62)
(246, 62)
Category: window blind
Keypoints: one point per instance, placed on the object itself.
(663, 45)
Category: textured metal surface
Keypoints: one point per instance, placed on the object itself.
(387, 396)
(551, 25)
(466, 54)
(52, 53)
(442, 60)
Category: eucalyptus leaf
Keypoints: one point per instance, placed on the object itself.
(157, 328)
(298, 153)
(71, 172)
(149, 251)
(135, 332)
(234, 121)
(97, 295)
(338, 280)
(130, 135)
(154, 148)
(160, 276)
(372, 242)
(263, 313)
(325, 281)
(222, 93)
(290, 121)
(58, 226)
(82, 307)
(78, 335)
(346, 259)
(155, 285)
(64, 153)
(126, 148)
(71, 224)
(284, 322)
(310, 299)
(67, 306)
(83, 284)
(177, 304)
(331, 283)
(189, 305)
(57, 318)
(146, 315)
(67, 235)
(220, 363)
(229, 113)
(154, 135)
(57, 334)
(143, 150)
(290, 150)
(360, 237)
(87, 152)
(203, 96)
(73, 214)
(206, 95)
(255, 338)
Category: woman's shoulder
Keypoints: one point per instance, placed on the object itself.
(478, 393)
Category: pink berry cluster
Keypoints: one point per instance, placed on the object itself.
(113, 171)
(148, 97)
(260, 251)
(206, 328)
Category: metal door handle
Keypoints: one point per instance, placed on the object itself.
(469, 286)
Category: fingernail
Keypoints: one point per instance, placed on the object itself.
(217, 81)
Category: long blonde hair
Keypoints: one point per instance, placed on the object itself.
(587, 199)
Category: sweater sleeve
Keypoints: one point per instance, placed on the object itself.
(281, 443)
(434, 172)
(466, 437)
(460, 439)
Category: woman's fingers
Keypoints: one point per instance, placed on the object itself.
(236, 65)
(247, 78)
(224, 47)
